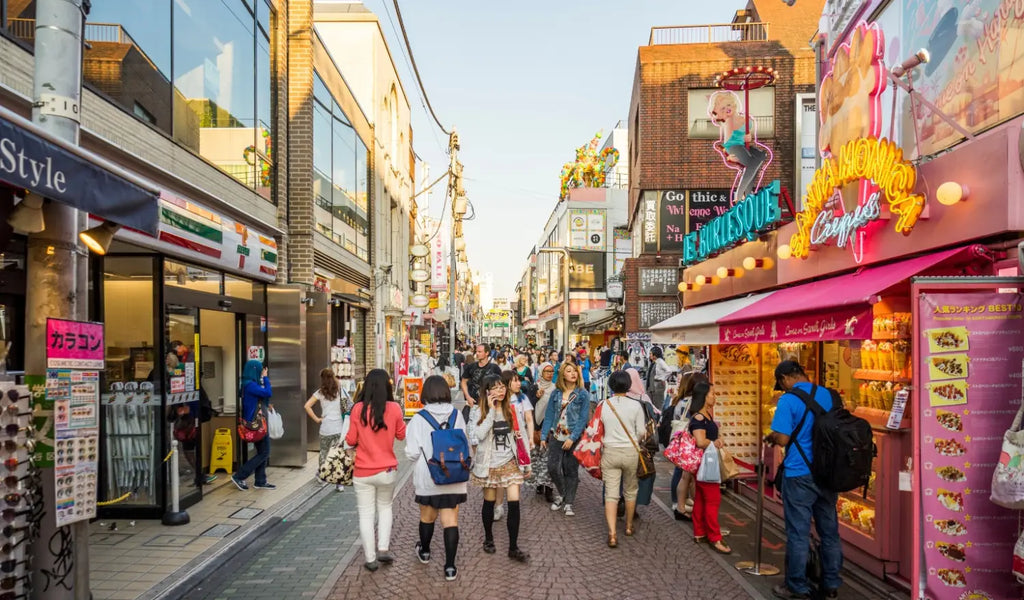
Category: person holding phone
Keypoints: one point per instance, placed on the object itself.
(255, 390)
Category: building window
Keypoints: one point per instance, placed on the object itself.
(339, 175)
(140, 111)
(762, 112)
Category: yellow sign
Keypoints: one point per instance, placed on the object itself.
(880, 166)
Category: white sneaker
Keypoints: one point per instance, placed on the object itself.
(499, 512)
(568, 511)
(557, 504)
(674, 507)
(340, 487)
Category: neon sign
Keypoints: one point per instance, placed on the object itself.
(745, 220)
(879, 162)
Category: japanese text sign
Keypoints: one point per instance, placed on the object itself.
(74, 344)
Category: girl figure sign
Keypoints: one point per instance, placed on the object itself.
(738, 146)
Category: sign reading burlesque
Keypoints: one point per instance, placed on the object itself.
(753, 215)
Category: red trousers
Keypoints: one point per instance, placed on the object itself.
(707, 499)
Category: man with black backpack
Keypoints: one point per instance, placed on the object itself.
(794, 428)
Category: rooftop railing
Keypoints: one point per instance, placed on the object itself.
(709, 34)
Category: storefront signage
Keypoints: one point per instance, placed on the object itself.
(587, 229)
(74, 344)
(969, 366)
(874, 161)
(658, 281)
(846, 324)
(439, 259)
(652, 313)
(672, 218)
(753, 215)
(586, 270)
(75, 396)
(30, 162)
(257, 353)
(650, 209)
(705, 205)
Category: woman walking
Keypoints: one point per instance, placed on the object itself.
(332, 414)
(708, 496)
(650, 413)
(539, 477)
(255, 391)
(435, 499)
(623, 420)
(495, 465)
(564, 422)
(376, 423)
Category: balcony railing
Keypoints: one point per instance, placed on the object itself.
(709, 34)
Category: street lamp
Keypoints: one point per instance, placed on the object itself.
(565, 290)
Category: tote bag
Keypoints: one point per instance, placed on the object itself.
(1008, 476)
(589, 450)
(683, 452)
(710, 470)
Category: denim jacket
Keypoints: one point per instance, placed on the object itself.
(576, 414)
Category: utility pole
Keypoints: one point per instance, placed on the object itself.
(61, 560)
(454, 185)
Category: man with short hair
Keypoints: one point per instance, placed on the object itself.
(474, 372)
(801, 497)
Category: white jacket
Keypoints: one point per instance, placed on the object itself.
(485, 447)
(417, 440)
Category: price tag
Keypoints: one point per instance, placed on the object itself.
(899, 405)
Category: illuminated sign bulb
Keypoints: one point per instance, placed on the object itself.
(750, 263)
(785, 252)
(951, 192)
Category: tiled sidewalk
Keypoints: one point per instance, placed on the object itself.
(132, 561)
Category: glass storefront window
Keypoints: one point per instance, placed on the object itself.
(340, 175)
(181, 394)
(195, 278)
(130, 398)
(238, 288)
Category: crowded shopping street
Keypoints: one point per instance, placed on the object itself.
(662, 300)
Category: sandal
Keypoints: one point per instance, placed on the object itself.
(700, 539)
(612, 541)
(630, 531)
(721, 548)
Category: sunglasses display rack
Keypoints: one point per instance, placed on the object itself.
(22, 492)
(736, 382)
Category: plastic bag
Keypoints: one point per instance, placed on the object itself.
(1008, 475)
(275, 425)
(710, 469)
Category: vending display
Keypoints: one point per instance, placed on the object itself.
(883, 363)
(23, 494)
(856, 509)
(737, 387)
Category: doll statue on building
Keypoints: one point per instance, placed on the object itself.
(738, 145)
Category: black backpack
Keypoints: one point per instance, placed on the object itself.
(843, 445)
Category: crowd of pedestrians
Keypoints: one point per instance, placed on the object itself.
(524, 416)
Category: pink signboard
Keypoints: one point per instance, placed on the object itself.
(970, 351)
(851, 323)
(74, 344)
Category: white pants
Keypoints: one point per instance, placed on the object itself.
(374, 496)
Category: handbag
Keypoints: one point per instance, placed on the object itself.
(522, 453)
(710, 470)
(1008, 476)
(683, 452)
(275, 425)
(729, 468)
(255, 430)
(644, 462)
(589, 449)
(339, 465)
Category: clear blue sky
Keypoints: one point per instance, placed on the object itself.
(525, 83)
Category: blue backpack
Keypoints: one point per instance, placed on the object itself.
(450, 460)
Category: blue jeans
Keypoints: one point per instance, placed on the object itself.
(257, 463)
(677, 475)
(801, 499)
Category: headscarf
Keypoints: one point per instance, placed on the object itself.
(252, 372)
(637, 390)
(545, 387)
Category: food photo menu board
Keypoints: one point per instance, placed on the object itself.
(971, 347)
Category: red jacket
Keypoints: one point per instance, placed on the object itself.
(375, 450)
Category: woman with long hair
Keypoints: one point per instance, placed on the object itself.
(255, 391)
(681, 486)
(435, 499)
(708, 496)
(376, 422)
(539, 477)
(332, 414)
(564, 422)
(495, 466)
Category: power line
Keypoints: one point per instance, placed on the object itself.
(415, 69)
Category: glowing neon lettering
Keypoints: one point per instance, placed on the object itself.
(745, 220)
(829, 226)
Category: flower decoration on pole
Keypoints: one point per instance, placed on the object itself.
(737, 143)
(590, 167)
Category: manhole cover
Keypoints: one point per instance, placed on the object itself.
(236, 502)
(246, 513)
(108, 539)
(219, 531)
(170, 541)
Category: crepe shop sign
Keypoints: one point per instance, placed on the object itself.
(884, 175)
(744, 221)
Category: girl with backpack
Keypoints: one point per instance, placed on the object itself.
(435, 498)
(495, 466)
(332, 414)
(376, 422)
(708, 496)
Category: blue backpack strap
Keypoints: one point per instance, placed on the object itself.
(429, 418)
(452, 418)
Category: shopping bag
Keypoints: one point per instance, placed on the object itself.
(588, 451)
(729, 468)
(683, 452)
(275, 425)
(522, 453)
(1018, 559)
(710, 470)
(338, 466)
(1008, 476)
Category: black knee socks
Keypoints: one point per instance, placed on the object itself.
(426, 533)
(513, 524)
(451, 545)
(488, 515)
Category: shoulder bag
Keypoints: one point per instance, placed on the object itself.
(588, 451)
(645, 462)
(339, 465)
(255, 430)
(522, 453)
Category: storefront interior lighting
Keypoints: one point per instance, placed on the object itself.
(784, 252)
(751, 264)
(419, 250)
(920, 57)
(951, 192)
(98, 238)
(705, 280)
(726, 272)
(27, 216)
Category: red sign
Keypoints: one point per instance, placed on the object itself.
(74, 344)
(403, 360)
(841, 324)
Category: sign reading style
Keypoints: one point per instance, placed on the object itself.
(750, 217)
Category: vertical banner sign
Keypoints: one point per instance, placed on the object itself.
(74, 360)
(439, 260)
(650, 208)
(413, 387)
(971, 346)
(672, 219)
(403, 360)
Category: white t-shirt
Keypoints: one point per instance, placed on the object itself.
(631, 414)
(330, 411)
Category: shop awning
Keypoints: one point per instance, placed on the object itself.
(596, 319)
(699, 326)
(835, 308)
(37, 161)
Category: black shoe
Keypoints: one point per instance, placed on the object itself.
(831, 593)
(682, 516)
(518, 555)
(781, 591)
(549, 495)
(241, 485)
(424, 557)
(450, 573)
(489, 547)
(265, 486)
(540, 489)
(385, 558)
(371, 566)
